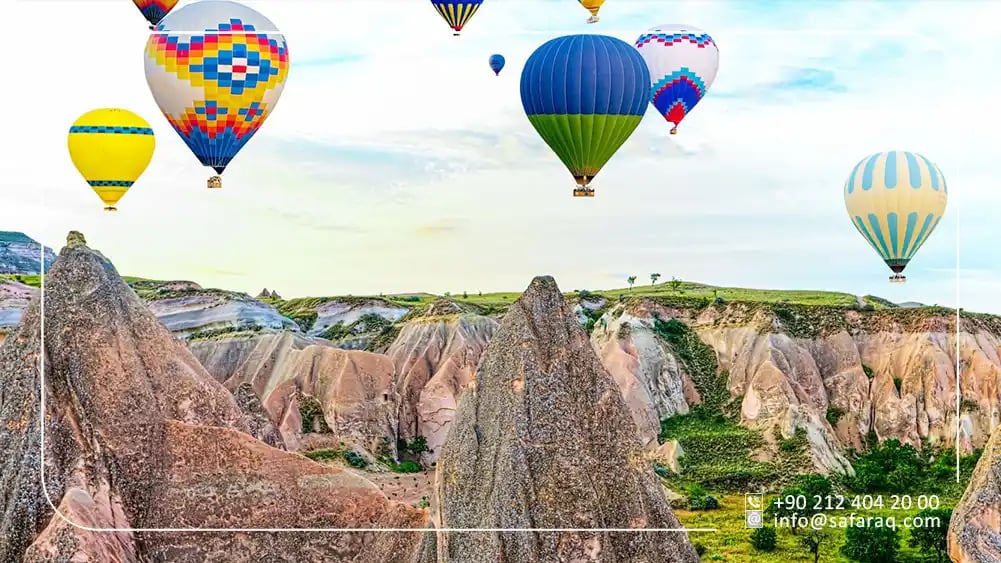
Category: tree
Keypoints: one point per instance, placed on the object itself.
(465, 295)
(814, 485)
(654, 278)
(871, 544)
(812, 541)
(675, 284)
(932, 539)
(631, 280)
(763, 539)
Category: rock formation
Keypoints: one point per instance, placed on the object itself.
(435, 356)
(348, 311)
(544, 440)
(975, 527)
(138, 435)
(834, 372)
(20, 254)
(192, 313)
(353, 388)
(14, 298)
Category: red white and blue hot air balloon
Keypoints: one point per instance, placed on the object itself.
(683, 61)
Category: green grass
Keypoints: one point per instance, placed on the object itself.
(696, 290)
(730, 543)
(33, 280)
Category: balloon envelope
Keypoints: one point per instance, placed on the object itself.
(154, 10)
(111, 148)
(456, 13)
(683, 61)
(496, 63)
(592, 6)
(216, 69)
(585, 95)
(895, 200)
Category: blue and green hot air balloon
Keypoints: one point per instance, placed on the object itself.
(585, 95)
(496, 63)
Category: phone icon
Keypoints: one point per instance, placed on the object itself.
(754, 502)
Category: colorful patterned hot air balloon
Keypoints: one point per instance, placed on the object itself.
(683, 62)
(456, 13)
(895, 199)
(154, 10)
(217, 86)
(111, 148)
(592, 6)
(585, 95)
(496, 63)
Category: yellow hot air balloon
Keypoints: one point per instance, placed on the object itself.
(592, 6)
(895, 199)
(111, 148)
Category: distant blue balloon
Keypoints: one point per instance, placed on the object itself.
(496, 63)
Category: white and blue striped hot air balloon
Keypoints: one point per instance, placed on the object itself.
(896, 199)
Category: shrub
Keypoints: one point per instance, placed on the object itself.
(355, 459)
(763, 539)
(871, 544)
(710, 503)
(932, 539)
(700, 549)
(896, 383)
(324, 455)
(834, 414)
(311, 414)
(892, 467)
(868, 371)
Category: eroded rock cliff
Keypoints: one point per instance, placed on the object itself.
(544, 440)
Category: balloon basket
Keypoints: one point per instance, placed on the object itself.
(674, 130)
(215, 182)
(583, 192)
(593, 19)
(898, 278)
(110, 208)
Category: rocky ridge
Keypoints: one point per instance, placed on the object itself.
(138, 435)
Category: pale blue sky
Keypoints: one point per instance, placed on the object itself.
(397, 161)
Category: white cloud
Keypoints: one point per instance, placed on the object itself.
(361, 158)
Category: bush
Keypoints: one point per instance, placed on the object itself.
(896, 383)
(355, 459)
(868, 371)
(834, 414)
(932, 539)
(891, 467)
(763, 539)
(871, 544)
(700, 549)
(710, 503)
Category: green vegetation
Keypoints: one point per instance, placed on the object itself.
(932, 539)
(355, 459)
(311, 413)
(834, 414)
(868, 371)
(698, 359)
(763, 539)
(871, 544)
(813, 541)
(32, 280)
(229, 331)
(325, 455)
(405, 466)
(897, 382)
(892, 467)
(718, 452)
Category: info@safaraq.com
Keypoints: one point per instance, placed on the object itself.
(832, 511)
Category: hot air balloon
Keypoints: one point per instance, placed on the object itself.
(592, 6)
(111, 148)
(895, 199)
(683, 61)
(585, 95)
(456, 13)
(216, 87)
(496, 63)
(154, 10)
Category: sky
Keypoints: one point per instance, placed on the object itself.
(396, 161)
